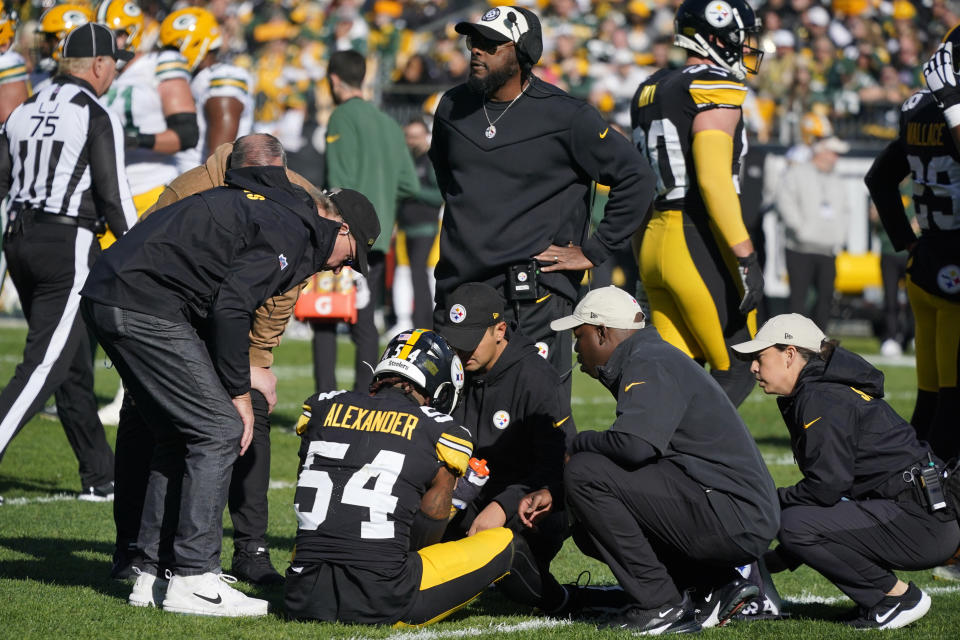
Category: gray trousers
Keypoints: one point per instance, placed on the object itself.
(167, 368)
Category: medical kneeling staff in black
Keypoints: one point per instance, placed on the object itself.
(870, 500)
(674, 495)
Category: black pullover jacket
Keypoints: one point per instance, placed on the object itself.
(848, 442)
(521, 421)
(213, 258)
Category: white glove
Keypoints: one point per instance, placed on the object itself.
(941, 77)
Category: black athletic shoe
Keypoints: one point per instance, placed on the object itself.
(255, 566)
(714, 609)
(759, 608)
(124, 563)
(894, 612)
(670, 618)
(590, 600)
(101, 493)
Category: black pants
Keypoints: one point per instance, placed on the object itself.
(898, 321)
(363, 333)
(247, 499)
(806, 270)
(418, 252)
(196, 429)
(857, 544)
(653, 526)
(48, 264)
(530, 581)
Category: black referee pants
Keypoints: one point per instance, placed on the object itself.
(363, 333)
(653, 526)
(857, 544)
(48, 264)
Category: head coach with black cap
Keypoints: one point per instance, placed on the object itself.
(514, 403)
(172, 303)
(516, 159)
(61, 162)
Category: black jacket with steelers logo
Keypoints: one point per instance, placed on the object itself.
(212, 259)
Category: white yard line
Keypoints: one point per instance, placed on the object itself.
(808, 598)
(526, 625)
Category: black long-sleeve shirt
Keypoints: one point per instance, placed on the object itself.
(213, 258)
(509, 197)
(62, 152)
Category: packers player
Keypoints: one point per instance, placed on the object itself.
(13, 69)
(55, 23)
(696, 259)
(373, 497)
(223, 92)
(927, 151)
(153, 99)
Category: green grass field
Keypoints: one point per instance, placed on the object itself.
(55, 551)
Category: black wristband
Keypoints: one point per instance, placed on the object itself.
(146, 140)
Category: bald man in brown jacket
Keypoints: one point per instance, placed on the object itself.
(251, 472)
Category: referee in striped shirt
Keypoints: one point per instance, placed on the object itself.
(61, 163)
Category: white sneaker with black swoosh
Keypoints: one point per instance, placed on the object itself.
(210, 594)
(148, 590)
(894, 612)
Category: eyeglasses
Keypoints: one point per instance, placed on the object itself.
(351, 259)
(483, 44)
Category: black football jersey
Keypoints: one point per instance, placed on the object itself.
(365, 463)
(934, 163)
(661, 116)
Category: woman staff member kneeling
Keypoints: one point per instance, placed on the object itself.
(860, 510)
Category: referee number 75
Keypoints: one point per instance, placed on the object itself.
(49, 125)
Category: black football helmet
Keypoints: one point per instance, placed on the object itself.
(424, 358)
(724, 31)
(953, 37)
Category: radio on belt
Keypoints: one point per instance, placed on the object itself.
(522, 281)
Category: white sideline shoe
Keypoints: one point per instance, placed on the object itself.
(148, 590)
(109, 414)
(210, 594)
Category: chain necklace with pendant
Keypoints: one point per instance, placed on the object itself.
(491, 130)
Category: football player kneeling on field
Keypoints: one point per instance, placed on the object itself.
(374, 495)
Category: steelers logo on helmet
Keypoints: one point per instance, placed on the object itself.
(456, 371)
(501, 419)
(948, 279)
(719, 13)
(491, 15)
(543, 350)
(457, 314)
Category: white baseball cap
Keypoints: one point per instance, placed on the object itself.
(610, 306)
(788, 328)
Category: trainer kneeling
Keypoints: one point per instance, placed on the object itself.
(675, 494)
(861, 509)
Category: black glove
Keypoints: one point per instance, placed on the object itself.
(941, 76)
(752, 277)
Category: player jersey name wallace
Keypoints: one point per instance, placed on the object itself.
(348, 416)
(925, 134)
